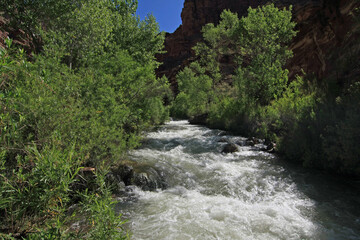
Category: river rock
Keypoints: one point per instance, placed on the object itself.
(125, 173)
(271, 147)
(145, 182)
(222, 133)
(249, 142)
(241, 143)
(267, 141)
(252, 141)
(230, 148)
(116, 183)
(149, 180)
(142, 175)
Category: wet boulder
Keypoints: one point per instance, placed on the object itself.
(252, 141)
(271, 147)
(116, 183)
(146, 182)
(267, 141)
(230, 148)
(142, 175)
(125, 172)
(149, 180)
(249, 142)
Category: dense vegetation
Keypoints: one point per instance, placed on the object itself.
(313, 122)
(82, 101)
(74, 105)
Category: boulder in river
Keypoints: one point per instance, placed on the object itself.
(142, 175)
(230, 148)
(116, 183)
(125, 173)
(249, 142)
(146, 182)
(252, 141)
(271, 147)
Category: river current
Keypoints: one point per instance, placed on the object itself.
(249, 194)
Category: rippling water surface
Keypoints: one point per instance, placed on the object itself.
(246, 195)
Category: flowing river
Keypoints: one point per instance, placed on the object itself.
(249, 194)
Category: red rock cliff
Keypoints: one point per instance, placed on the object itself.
(322, 26)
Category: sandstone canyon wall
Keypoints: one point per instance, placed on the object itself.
(322, 27)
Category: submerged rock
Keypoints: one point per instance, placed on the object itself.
(230, 148)
(144, 176)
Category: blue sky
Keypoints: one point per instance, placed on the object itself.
(166, 12)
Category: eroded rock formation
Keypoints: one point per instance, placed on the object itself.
(322, 27)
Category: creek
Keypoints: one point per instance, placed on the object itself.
(249, 194)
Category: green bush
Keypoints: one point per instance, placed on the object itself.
(196, 91)
(82, 102)
(323, 133)
(99, 210)
(36, 195)
(37, 190)
(282, 115)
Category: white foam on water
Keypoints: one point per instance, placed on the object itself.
(176, 214)
(211, 195)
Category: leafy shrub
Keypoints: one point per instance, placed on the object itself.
(282, 115)
(82, 102)
(99, 210)
(196, 87)
(39, 187)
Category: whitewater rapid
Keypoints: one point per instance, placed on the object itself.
(250, 194)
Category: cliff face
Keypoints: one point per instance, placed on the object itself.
(322, 26)
(195, 14)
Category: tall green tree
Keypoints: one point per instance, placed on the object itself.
(256, 45)
(264, 34)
